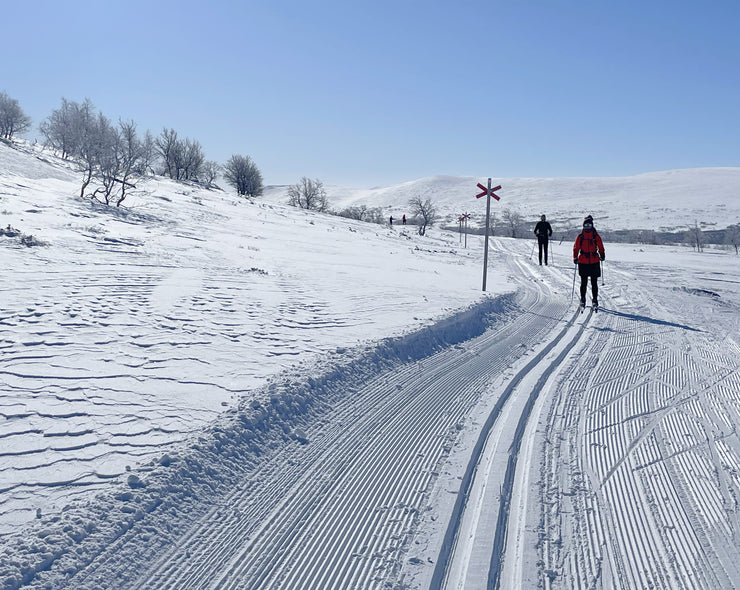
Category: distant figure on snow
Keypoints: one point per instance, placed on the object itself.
(588, 252)
(543, 231)
(391, 219)
(404, 219)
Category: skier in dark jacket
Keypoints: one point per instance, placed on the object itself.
(588, 252)
(543, 231)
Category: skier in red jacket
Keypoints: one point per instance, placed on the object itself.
(588, 252)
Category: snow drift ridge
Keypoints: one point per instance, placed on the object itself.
(183, 486)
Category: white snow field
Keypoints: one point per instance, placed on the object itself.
(201, 392)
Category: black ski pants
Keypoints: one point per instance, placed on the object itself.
(594, 288)
(542, 243)
(589, 270)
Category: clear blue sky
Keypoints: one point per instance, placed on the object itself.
(374, 93)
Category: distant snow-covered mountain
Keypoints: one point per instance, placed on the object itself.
(662, 201)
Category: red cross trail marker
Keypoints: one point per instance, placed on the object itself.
(487, 191)
(464, 222)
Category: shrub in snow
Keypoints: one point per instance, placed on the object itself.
(11, 232)
(31, 241)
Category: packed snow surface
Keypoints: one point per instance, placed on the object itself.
(199, 391)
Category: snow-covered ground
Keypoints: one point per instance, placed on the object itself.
(133, 327)
(199, 391)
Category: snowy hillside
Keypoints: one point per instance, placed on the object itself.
(660, 201)
(202, 392)
(177, 304)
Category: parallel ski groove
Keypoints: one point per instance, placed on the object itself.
(373, 507)
(652, 412)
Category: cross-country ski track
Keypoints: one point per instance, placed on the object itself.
(554, 450)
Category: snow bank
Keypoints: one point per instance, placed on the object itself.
(153, 505)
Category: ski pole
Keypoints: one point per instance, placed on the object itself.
(602, 273)
(573, 290)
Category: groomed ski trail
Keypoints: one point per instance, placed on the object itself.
(341, 511)
(345, 517)
(475, 544)
(627, 474)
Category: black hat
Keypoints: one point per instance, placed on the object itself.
(588, 221)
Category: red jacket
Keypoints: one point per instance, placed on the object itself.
(589, 248)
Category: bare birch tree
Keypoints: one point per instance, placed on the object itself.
(65, 128)
(308, 194)
(242, 173)
(12, 118)
(695, 237)
(513, 220)
(424, 212)
(732, 236)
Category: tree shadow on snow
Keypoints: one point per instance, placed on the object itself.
(642, 318)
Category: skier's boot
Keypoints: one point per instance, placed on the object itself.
(583, 304)
(596, 305)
